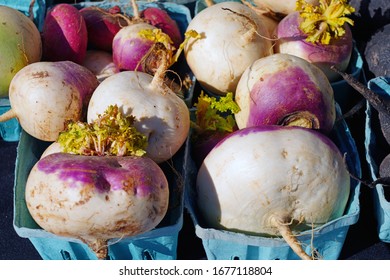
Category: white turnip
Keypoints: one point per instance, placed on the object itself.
(273, 181)
(319, 34)
(279, 8)
(44, 95)
(232, 36)
(162, 115)
(64, 34)
(283, 89)
(20, 45)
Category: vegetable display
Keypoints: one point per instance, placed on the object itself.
(20, 45)
(273, 181)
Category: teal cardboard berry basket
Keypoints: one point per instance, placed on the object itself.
(327, 240)
(376, 149)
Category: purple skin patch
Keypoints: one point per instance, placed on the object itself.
(276, 96)
(334, 53)
(105, 174)
(128, 52)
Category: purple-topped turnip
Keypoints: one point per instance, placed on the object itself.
(100, 186)
(318, 33)
(102, 25)
(44, 95)
(273, 181)
(283, 89)
(232, 37)
(64, 34)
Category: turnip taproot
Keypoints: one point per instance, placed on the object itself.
(162, 116)
(64, 34)
(319, 34)
(283, 89)
(232, 36)
(20, 45)
(273, 181)
(44, 95)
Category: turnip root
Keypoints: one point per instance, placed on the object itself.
(273, 181)
(44, 95)
(20, 45)
(64, 34)
(283, 89)
(102, 25)
(100, 63)
(95, 199)
(320, 35)
(162, 116)
(232, 36)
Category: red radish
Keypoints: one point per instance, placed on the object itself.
(232, 37)
(102, 25)
(273, 181)
(64, 34)
(162, 20)
(100, 63)
(44, 95)
(283, 89)
(319, 34)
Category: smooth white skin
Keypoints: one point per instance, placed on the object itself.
(160, 114)
(271, 65)
(282, 7)
(100, 63)
(290, 174)
(228, 45)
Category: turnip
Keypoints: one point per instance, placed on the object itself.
(20, 45)
(134, 42)
(100, 63)
(102, 25)
(279, 8)
(232, 36)
(64, 34)
(162, 20)
(99, 187)
(282, 89)
(273, 181)
(319, 34)
(44, 95)
(162, 115)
